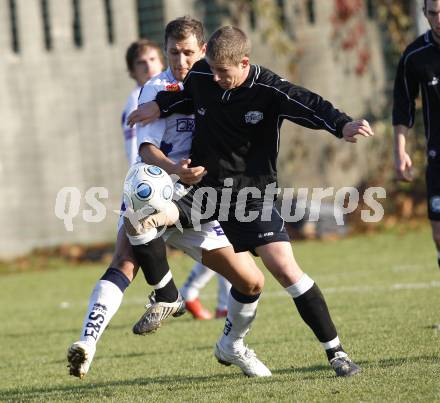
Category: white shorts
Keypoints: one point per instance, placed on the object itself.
(192, 242)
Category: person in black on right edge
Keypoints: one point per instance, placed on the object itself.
(239, 109)
(419, 67)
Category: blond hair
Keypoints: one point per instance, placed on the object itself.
(228, 45)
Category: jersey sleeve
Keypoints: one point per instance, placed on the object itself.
(171, 102)
(153, 132)
(308, 109)
(406, 89)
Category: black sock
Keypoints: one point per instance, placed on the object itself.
(313, 310)
(168, 293)
(332, 351)
(152, 258)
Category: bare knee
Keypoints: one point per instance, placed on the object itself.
(258, 284)
(253, 286)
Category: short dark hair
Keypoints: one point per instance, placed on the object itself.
(137, 48)
(183, 27)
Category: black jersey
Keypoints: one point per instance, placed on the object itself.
(237, 131)
(419, 68)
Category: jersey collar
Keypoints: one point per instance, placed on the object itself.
(254, 71)
(170, 76)
(430, 39)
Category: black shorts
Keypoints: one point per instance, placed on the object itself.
(433, 191)
(246, 228)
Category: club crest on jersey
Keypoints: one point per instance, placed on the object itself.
(253, 117)
(175, 87)
(435, 204)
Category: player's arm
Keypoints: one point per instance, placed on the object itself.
(402, 160)
(310, 110)
(151, 154)
(165, 104)
(405, 92)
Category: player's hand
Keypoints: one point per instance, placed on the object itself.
(403, 167)
(358, 127)
(144, 114)
(189, 176)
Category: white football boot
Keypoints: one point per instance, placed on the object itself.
(246, 360)
(156, 313)
(80, 356)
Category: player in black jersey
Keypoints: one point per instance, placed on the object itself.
(419, 68)
(239, 109)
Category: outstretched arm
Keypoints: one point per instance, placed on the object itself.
(359, 127)
(177, 99)
(165, 104)
(309, 109)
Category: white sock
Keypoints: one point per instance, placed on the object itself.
(237, 324)
(331, 344)
(304, 284)
(197, 279)
(223, 289)
(103, 304)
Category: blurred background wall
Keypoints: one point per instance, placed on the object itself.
(64, 84)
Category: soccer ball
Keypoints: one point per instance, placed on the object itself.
(148, 188)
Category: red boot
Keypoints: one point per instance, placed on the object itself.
(197, 310)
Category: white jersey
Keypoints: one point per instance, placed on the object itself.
(131, 149)
(172, 135)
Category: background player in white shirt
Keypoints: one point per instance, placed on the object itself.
(144, 60)
(184, 48)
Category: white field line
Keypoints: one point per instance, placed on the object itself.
(281, 293)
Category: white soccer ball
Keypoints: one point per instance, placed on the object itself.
(148, 188)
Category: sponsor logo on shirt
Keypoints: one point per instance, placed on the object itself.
(265, 234)
(201, 111)
(253, 117)
(185, 125)
(434, 81)
(175, 87)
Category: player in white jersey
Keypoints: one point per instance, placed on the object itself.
(184, 45)
(173, 137)
(144, 60)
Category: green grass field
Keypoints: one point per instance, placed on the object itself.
(383, 293)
